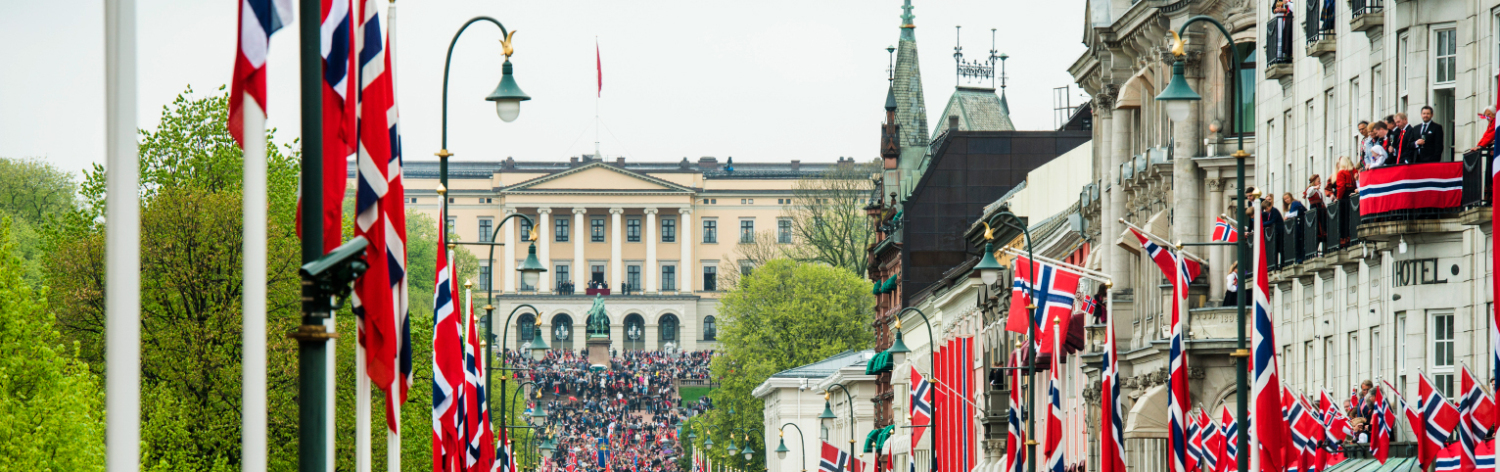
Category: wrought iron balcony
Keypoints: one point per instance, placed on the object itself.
(1366, 15)
(1319, 26)
(1278, 47)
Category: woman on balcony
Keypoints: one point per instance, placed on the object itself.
(1489, 130)
(1316, 208)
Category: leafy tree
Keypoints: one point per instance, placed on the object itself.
(51, 406)
(828, 220)
(34, 190)
(782, 315)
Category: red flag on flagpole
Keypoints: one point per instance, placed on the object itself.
(599, 68)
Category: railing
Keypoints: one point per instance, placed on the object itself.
(1363, 7)
(1278, 40)
(565, 288)
(1318, 23)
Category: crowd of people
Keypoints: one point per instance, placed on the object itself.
(627, 412)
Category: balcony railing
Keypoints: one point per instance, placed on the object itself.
(1366, 15)
(1278, 40)
(1319, 22)
(1365, 7)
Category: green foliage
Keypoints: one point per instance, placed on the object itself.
(51, 405)
(783, 315)
(34, 190)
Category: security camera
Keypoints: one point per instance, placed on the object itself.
(333, 274)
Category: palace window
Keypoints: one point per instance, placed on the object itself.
(784, 230)
(747, 231)
(668, 277)
(668, 230)
(633, 230)
(710, 278)
(560, 230)
(596, 230)
(486, 230)
(710, 231)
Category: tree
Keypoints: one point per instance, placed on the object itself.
(51, 406)
(782, 315)
(34, 190)
(828, 220)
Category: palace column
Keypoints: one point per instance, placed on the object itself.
(543, 250)
(580, 234)
(510, 253)
(651, 270)
(616, 267)
(685, 239)
(1217, 266)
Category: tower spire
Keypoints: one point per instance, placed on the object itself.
(906, 22)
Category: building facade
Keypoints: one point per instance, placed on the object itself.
(653, 239)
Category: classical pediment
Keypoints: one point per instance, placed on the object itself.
(596, 177)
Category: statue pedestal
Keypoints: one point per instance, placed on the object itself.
(598, 351)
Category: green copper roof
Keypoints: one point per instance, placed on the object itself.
(978, 109)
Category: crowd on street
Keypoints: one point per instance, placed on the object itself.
(627, 413)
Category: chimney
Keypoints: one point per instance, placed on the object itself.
(796, 164)
(708, 163)
(620, 161)
(953, 122)
(573, 161)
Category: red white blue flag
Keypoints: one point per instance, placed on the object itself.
(258, 19)
(1111, 428)
(1337, 425)
(1015, 437)
(1056, 460)
(1224, 232)
(1210, 441)
(1270, 427)
(1475, 409)
(1439, 419)
(1229, 454)
(1181, 271)
(448, 449)
(1194, 443)
(833, 459)
(1411, 187)
(340, 126)
(1384, 422)
(1495, 262)
(1055, 291)
(921, 406)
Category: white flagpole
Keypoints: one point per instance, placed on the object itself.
(361, 409)
(393, 438)
(122, 323)
(253, 414)
(1168, 244)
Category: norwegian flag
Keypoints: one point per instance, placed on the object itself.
(921, 406)
(1229, 454)
(1384, 419)
(1054, 453)
(447, 364)
(1451, 459)
(1305, 431)
(1475, 408)
(1181, 271)
(1112, 428)
(1270, 427)
(1055, 290)
(339, 122)
(1495, 253)
(1333, 418)
(833, 459)
(1194, 443)
(1439, 419)
(1211, 441)
(1224, 232)
(1015, 436)
(258, 20)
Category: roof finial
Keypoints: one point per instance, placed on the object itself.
(958, 51)
(993, 57)
(1002, 58)
(890, 68)
(906, 15)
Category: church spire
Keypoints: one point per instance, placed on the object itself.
(906, 25)
(911, 106)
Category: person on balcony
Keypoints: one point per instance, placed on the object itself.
(1376, 153)
(1327, 16)
(1294, 208)
(1403, 141)
(1362, 148)
(1342, 186)
(1232, 285)
(1489, 130)
(1316, 206)
(1429, 138)
(1284, 29)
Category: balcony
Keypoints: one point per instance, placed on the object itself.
(1320, 30)
(1278, 48)
(1367, 15)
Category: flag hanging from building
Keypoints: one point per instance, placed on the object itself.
(1181, 271)
(1015, 436)
(1439, 418)
(1056, 460)
(258, 20)
(1495, 262)
(1475, 408)
(1055, 291)
(1212, 441)
(1194, 443)
(447, 364)
(1270, 428)
(1111, 428)
(1384, 419)
(1224, 232)
(833, 459)
(1229, 453)
(921, 406)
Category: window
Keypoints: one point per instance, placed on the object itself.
(596, 230)
(710, 231)
(1402, 77)
(484, 278)
(450, 199)
(1308, 374)
(1352, 348)
(596, 273)
(1400, 343)
(669, 277)
(560, 230)
(411, 200)
(633, 230)
(746, 267)
(710, 278)
(747, 231)
(486, 200)
(633, 277)
(1377, 361)
(452, 223)
(525, 228)
(710, 328)
(561, 272)
(1442, 351)
(1355, 114)
(486, 230)
(784, 230)
(747, 201)
(1245, 122)
(1377, 98)
(1330, 103)
(710, 201)
(1447, 55)
(1329, 368)
(669, 230)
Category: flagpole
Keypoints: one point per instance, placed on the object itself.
(1091, 274)
(122, 244)
(253, 382)
(393, 438)
(1166, 243)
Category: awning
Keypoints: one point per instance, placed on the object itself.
(875, 441)
(881, 363)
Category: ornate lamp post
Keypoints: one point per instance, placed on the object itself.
(1178, 97)
(828, 414)
(781, 449)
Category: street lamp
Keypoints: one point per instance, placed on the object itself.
(781, 448)
(828, 412)
(747, 451)
(1178, 97)
(507, 96)
(989, 268)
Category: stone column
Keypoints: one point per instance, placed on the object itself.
(1116, 258)
(580, 236)
(1218, 266)
(543, 248)
(685, 265)
(1187, 187)
(651, 269)
(616, 267)
(509, 264)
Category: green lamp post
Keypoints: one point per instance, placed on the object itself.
(1178, 97)
(507, 96)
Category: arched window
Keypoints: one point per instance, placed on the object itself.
(525, 329)
(668, 327)
(635, 332)
(710, 329)
(562, 332)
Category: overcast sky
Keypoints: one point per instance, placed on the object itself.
(758, 80)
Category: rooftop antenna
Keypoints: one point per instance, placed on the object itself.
(958, 51)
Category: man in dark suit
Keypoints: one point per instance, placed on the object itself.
(1429, 136)
(1403, 141)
